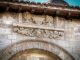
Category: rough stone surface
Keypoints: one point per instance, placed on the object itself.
(58, 30)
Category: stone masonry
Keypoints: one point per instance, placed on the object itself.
(17, 27)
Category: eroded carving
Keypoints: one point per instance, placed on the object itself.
(12, 15)
(49, 20)
(44, 20)
(40, 33)
(46, 33)
(40, 26)
(27, 18)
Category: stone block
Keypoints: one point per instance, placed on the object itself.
(21, 37)
(3, 36)
(4, 43)
(63, 43)
(8, 31)
(12, 37)
(74, 44)
(76, 50)
(5, 30)
(68, 49)
(2, 30)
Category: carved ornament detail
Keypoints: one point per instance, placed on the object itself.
(40, 33)
(44, 20)
(40, 26)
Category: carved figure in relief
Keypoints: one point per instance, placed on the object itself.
(26, 31)
(21, 30)
(14, 15)
(61, 22)
(31, 32)
(49, 21)
(61, 33)
(27, 18)
(39, 20)
(38, 32)
(51, 34)
(46, 33)
(56, 34)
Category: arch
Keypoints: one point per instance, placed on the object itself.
(37, 44)
(37, 54)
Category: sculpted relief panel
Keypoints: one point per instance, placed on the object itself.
(37, 19)
(44, 20)
(40, 33)
(41, 26)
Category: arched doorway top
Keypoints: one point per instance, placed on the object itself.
(32, 54)
(37, 44)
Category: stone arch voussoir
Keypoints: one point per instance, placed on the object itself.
(21, 46)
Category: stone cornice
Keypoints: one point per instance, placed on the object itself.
(50, 9)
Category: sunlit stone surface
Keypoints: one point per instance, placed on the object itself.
(18, 27)
(39, 31)
(35, 54)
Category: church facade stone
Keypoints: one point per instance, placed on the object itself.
(51, 37)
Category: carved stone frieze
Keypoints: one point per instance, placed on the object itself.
(27, 18)
(40, 26)
(49, 20)
(40, 33)
(44, 20)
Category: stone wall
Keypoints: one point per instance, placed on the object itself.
(17, 27)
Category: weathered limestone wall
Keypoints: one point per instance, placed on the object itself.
(16, 27)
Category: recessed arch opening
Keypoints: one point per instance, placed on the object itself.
(32, 54)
